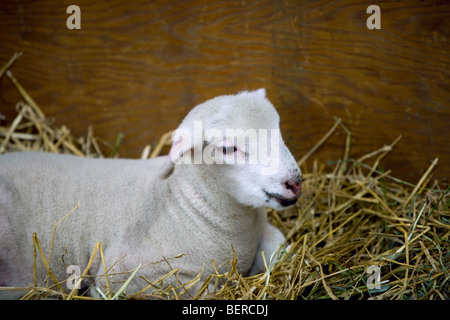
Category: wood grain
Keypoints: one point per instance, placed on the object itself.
(138, 67)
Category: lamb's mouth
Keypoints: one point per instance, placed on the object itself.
(283, 201)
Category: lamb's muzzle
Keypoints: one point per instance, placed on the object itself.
(295, 187)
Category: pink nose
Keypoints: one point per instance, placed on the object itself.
(296, 188)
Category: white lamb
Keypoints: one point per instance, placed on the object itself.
(207, 197)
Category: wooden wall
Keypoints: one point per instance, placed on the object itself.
(138, 67)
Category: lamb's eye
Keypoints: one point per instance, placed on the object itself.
(229, 150)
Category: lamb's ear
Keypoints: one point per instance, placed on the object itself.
(180, 152)
(261, 92)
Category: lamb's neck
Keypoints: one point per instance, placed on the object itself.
(203, 198)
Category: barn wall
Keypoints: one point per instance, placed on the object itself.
(138, 67)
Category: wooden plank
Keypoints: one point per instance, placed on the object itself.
(138, 67)
(382, 83)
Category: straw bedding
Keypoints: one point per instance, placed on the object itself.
(353, 222)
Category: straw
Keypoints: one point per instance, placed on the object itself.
(353, 214)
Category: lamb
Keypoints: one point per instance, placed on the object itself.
(205, 199)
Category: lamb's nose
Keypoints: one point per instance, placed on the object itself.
(295, 187)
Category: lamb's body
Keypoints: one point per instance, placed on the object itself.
(137, 216)
(120, 205)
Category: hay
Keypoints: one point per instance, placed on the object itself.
(353, 222)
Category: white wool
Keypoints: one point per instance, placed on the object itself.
(143, 211)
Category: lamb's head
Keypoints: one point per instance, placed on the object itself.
(237, 139)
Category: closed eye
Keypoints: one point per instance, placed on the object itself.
(229, 150)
